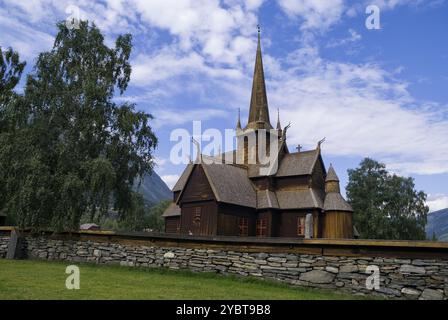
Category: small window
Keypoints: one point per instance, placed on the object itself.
(197, 215)
(262, 227)
(244, 227)
(301, 226)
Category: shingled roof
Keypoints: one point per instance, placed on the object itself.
(298, 163)
(224, 178)
(335, 202)
(183, 178)
(299, 199)
(173, 210)
(266, 199)
(333, 199)
(331, 174)
(291, 164)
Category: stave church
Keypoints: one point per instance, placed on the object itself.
(300, 199)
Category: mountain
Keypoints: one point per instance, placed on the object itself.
(153, 189)
(438, 224)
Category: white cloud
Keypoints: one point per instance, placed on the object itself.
(354, 36)
(204, 25)
(318, 15)
(391, 4)
(170, 179)
(169, 63)
(22, 38)
(175, 118)
(437, 202)
(363, 111)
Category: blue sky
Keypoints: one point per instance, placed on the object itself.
(377, 93)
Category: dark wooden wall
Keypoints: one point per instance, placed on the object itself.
(338, 225)
(197, 196)
(271, 222)
(229, 216)
(287, 224)
(172, 224)
(292, 183)
(318, 176)
(197, 187)
(207, 222)
(318, 223)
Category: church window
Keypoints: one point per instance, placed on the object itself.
(301, 226)
(262, 227)
(244, 227)
(197, 215)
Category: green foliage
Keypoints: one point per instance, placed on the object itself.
(11, 69)
(69, 148)
(134, 220)
(154, 219)
(434, 237)
(141, 217)
(386, 206)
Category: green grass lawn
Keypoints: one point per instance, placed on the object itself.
(46, 280)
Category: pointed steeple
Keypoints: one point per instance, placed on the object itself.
(332, 181)
(238, 124)
(331, 174)
(259, 111)
(279, 127)
(334, 202)
(260, 116)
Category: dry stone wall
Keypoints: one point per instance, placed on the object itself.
(399, 278)
(4, 241)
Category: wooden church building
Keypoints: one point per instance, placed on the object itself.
(234, 199)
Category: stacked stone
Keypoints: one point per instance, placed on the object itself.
(3, 246)
(399, 278)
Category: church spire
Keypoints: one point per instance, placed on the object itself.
(259, 111)
(238, 124)
(279, 127)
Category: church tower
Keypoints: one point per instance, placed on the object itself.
(338, 214)
(258, 126)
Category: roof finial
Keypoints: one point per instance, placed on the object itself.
(198, 150)
(285, 129)
(320, 143)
